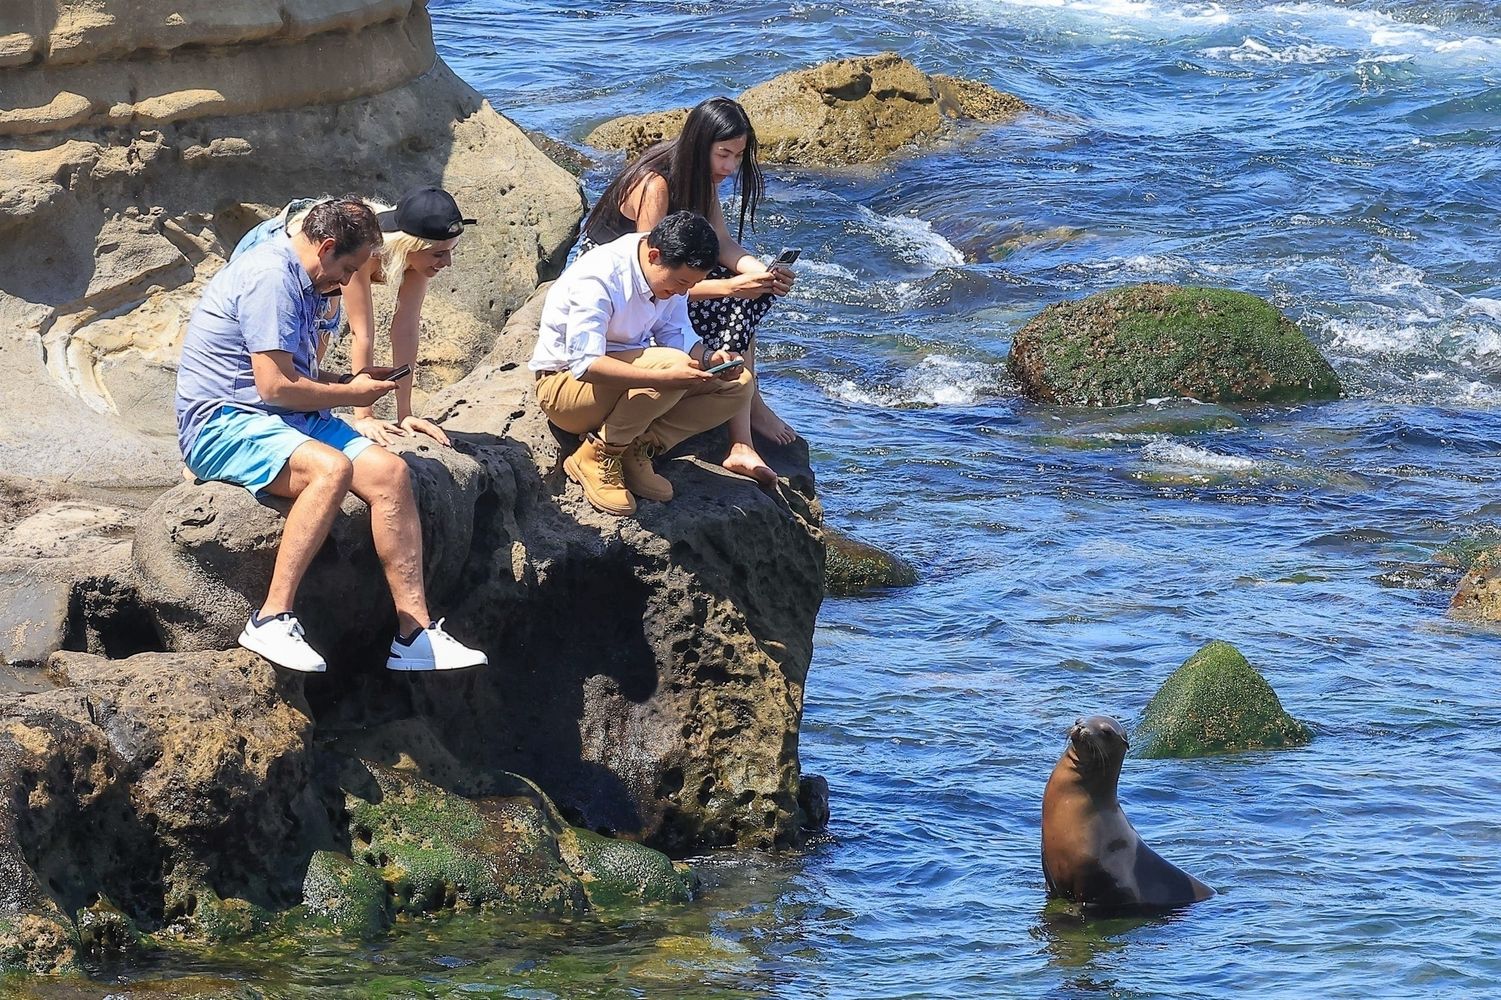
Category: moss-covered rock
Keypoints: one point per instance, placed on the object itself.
(349, 895)
(436, 850)
(1156, 340)
(195, 910)
(615, 872)
(851, 567)
(1216, 702)
(104, 931)
(1478, 597)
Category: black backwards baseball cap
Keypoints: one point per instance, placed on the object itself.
(428, 213)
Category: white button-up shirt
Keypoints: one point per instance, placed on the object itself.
(603, 304)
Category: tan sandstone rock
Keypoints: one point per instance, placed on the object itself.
(846, 111)
(214, 115)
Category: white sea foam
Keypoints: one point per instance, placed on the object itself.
(827, 269)
(1253, 51)
(1186, 457)
(913, 240)
(1328, 29)
(936, 380)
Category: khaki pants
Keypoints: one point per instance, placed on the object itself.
(621, 416)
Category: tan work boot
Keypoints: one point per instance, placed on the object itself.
(596, 467)
(640, 477)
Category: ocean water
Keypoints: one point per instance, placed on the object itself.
(1340, 157)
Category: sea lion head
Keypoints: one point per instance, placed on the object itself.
(1099, 746)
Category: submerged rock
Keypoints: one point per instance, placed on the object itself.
(1479, 594)
(1216, 702)
(840, 112)
(1155, 340)
(853, 567)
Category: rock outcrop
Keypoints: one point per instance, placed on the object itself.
(1216, 702)
(1154, 340)
(647, 672)
(845, 111)
(1479, 594)
(139, 140)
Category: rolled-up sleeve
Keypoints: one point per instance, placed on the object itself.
(673, 328)
(589, 311)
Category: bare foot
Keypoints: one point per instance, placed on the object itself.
(187, 476)
(766, 423)
(743, 461)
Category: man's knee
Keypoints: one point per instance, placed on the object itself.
(317, 463)
(384, 472)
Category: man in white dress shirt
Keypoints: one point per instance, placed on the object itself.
(618, 363)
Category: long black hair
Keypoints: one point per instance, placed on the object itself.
(686, 163)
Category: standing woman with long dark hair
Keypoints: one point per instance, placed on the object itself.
(717, 143)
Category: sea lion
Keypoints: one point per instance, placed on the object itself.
(1090, 852)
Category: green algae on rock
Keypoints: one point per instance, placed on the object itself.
(349, 895)
(851, 567)
(614, 872)
(1216, 702)
(1154, 340)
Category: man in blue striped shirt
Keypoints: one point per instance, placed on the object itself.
(253, 409)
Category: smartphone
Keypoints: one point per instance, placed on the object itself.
(399, 373)
(724, 367)
(787, 256)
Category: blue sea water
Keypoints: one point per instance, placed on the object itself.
(1340, 157)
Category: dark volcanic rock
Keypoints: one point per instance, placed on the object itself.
(647, 672)
(1151, 341)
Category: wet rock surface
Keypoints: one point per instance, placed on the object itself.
(845, 111)
(1155, 340)
(1216, 702)
(853, 567)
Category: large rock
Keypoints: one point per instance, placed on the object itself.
(66, 564)
(1215, 702)
(1154, 340)
(140, 195)
(137, 780)
(845, 111)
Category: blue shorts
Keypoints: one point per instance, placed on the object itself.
(250, 449)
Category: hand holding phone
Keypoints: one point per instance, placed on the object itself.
(726, 366)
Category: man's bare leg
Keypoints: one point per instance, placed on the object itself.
(316, 478)
(382, 480)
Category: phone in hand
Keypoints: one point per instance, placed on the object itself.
(724, 367)
(787, 257)
(398, 373)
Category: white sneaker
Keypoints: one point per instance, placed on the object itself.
(279, 639)
(433, 649)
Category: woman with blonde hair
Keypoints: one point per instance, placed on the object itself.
(420, 234)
